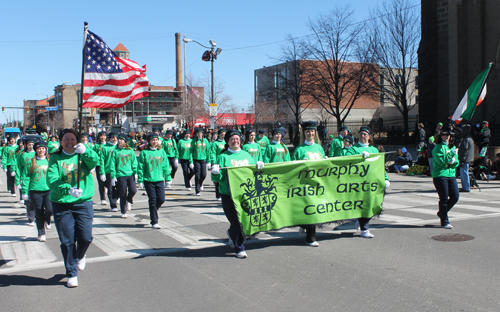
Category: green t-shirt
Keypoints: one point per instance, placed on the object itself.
(53, 146)
(123, 163)
(153, 166)
(184, 149)
(9, 156)
(263, 142)
(23, 163)
(254, 150)
(275, 152)
(216, 149)
(170, 148)
(62, 175)
(228, 159)
(105, 161)
(337, 144)
(304, 151)
(200, 149)
(36, 181)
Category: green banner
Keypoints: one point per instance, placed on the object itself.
(307, 191)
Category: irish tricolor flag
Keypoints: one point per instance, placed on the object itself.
(472, 98)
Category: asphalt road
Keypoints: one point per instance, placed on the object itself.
(188, 266)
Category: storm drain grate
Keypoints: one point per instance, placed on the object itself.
(452, 237)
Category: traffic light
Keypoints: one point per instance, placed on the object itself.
(27, 110)
(3, 109)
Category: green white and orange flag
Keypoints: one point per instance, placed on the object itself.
(472, 98)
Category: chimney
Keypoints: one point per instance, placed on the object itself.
(178, 62)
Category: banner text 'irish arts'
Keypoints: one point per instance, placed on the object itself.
(307, 192)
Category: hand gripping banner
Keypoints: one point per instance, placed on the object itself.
(307, 191)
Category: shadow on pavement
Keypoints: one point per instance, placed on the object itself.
(23, 280)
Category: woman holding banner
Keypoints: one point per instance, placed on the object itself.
(232, 155)
(276, 151)
(72, 205)
(444, 164)
(364, 148)
(310, 149)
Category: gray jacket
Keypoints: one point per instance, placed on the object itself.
(466, 150)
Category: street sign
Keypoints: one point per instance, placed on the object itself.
(51, 108)
(212, 104)
(213, 111)
(133, 125)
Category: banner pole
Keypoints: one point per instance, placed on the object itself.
(80, 104)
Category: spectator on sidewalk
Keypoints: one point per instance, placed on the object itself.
(466, 157)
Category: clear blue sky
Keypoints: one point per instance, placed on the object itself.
(41, 41)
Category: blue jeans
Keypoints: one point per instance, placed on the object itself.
(463, 169)
(235, 230)
(156, 196)
(74, 227)
(447, 189)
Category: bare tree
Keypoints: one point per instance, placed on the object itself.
(193, 107)
(288, 87)
(340, 65)
(394, 34)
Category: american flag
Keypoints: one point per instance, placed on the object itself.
(109, 81)
(193, 91)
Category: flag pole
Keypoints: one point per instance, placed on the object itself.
(80, 104)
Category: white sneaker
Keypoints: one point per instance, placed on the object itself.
(42, 238)
(168, 185)
(231, 243)
(103, 202)
(201, 188)
(367, 234)
(72, 282)
(129, 206)
(48, 225)
(13, 195)
(241, 255)
(313, 244)
(357, 225)
(189, 189)
(114, 209)
(302, 232)
(447, 226)
(118, 201)
(124, 216)
(219, 199)
(198, 194)
(31, 224)
(156, 226)
(21, 201)
(82, 263)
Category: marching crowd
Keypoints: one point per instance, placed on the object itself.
(55, 178)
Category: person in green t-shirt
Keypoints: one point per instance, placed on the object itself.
(36, 189)
(53, 144)
(200, 152)
(444, 165)
(72, 204)
(232, 156)
(105, 169)
(310, 149)
(262, 140)
(186, 158)
(364, 148)
(276, 151)
(337, 143)
(348, 142)
(251, 146)
(123, 173)
(170, 147)
(215, 150)
(152, 171)
(99, 144)
(85, 140)
(9, 164)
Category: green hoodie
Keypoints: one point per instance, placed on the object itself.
(254, 150)
(170, 147)
(215, 150)
(229, 159)
(105, 162)
(441, 156)
(123, 163)
(36, 181)
(304, 151)
(184, 150)
(200, 149)
(275, 152)
(62, 175)
(153, 166)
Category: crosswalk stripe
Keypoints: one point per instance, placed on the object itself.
(183, 234)
(451, 213)
(397, 219)
(113, 241)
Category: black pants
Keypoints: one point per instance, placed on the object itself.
(156, 196)
(112, 193)
(126, 189)
(186, 171)
(173, 166)
(235, 231)
(11, 180)
(447, 189)
(42, 206)
(217, 193)
(200, 173)
(100, 183)
(310, 232)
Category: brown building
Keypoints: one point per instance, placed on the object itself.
(459, 39)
